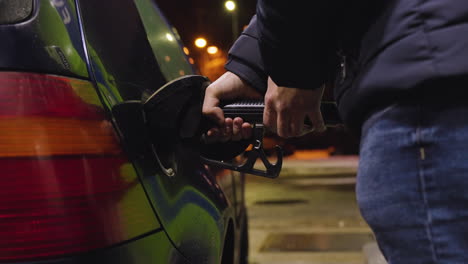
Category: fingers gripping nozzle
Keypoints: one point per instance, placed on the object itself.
(272, 170)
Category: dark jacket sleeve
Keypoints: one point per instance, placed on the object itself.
(297, 42)
(244, 58)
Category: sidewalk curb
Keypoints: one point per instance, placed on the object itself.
(336, 167)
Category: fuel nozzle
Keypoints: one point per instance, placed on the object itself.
(251, 111)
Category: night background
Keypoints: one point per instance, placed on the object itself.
(206, 18)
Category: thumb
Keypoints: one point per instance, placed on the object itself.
(317, 120)
(212, 110)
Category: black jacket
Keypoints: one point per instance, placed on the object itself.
(390, 49)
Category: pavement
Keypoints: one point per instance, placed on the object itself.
(308, 215)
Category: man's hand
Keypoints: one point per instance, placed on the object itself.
(286, 109)
(227, 87)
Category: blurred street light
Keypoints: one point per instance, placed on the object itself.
(212, 50)
(208, 58)
(200, 42)
(231, 7)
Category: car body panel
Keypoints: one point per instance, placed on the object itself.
(165, 41)
(127, 59)
(47, 42)
(191, 205)
(154, 247)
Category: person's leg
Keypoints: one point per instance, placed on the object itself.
(412, 184)
(444, 172)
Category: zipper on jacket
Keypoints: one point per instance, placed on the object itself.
(343, 69)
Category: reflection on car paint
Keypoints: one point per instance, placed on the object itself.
(61, 35)
(63, 9)
(166, 43)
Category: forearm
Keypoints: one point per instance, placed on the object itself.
(245, 60)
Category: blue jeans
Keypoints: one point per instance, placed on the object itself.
(412, 185)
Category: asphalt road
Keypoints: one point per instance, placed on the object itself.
(309, 215)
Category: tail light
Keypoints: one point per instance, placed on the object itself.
(65, 185)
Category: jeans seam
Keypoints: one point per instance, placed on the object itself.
(421, 158)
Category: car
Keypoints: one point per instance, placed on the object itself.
(84, 178)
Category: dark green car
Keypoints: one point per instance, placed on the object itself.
(84, 179)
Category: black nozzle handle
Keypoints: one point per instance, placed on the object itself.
(251, 111)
